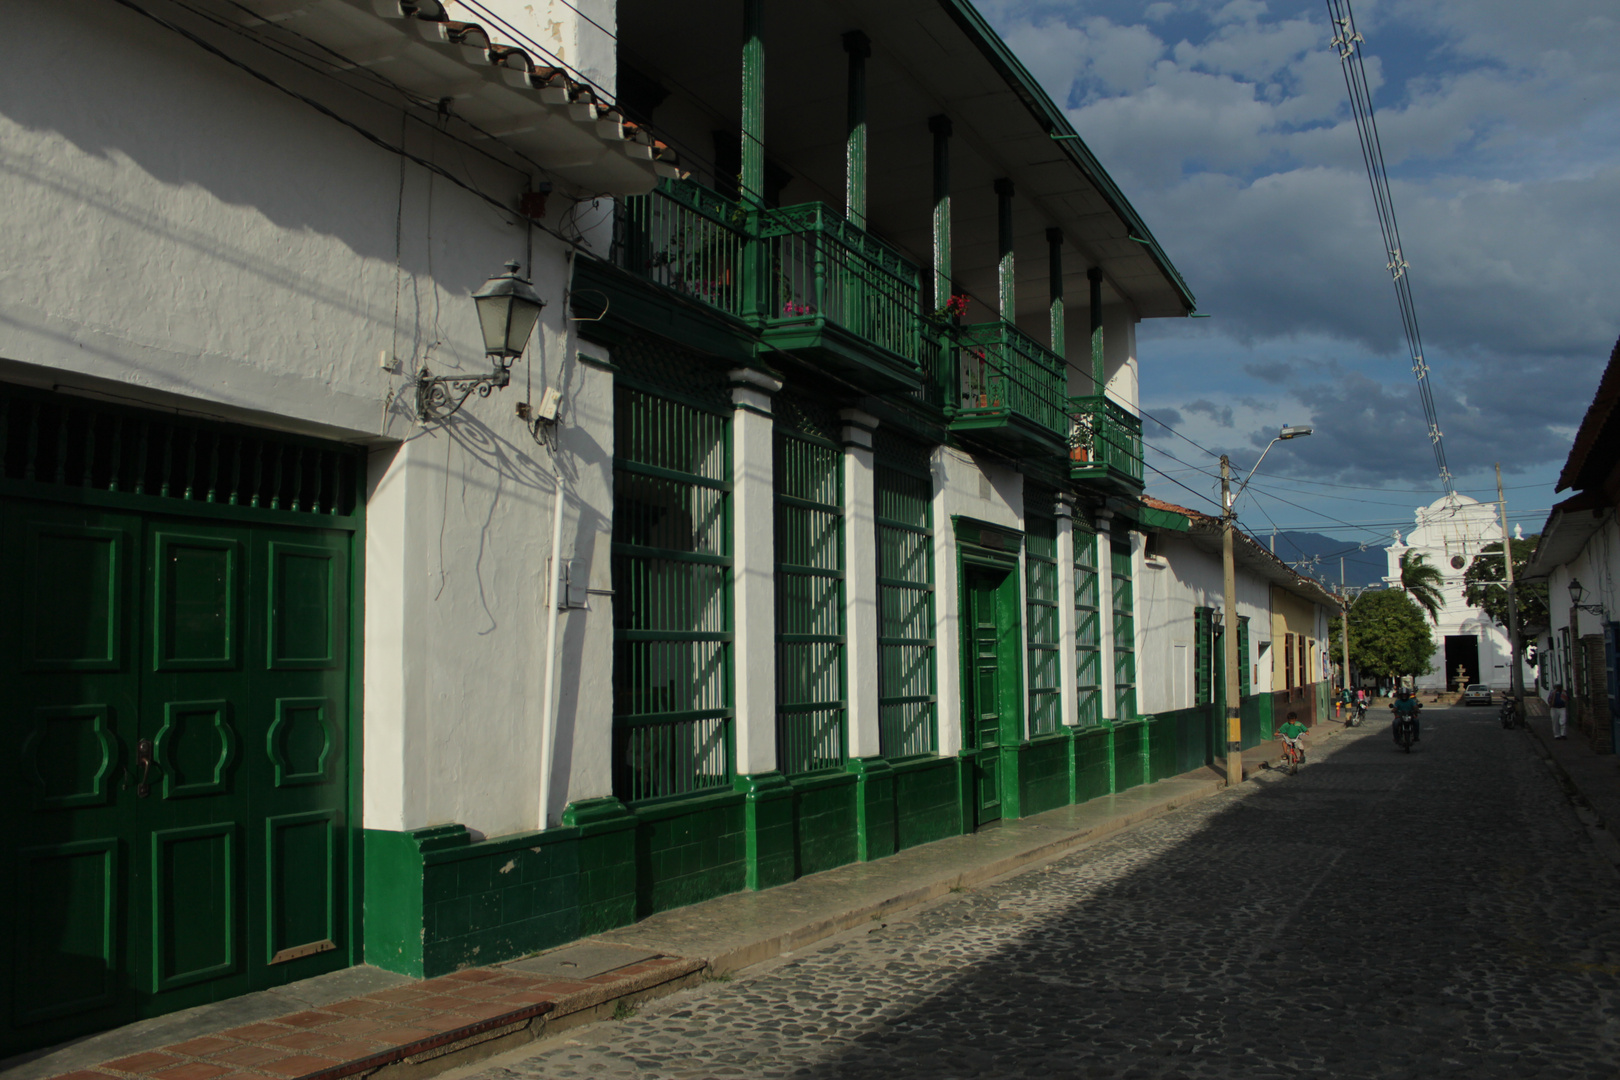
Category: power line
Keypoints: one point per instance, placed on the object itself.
(1346, 43)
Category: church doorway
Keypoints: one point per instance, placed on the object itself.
(1462, 651)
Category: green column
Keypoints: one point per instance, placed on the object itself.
(752, 181)
(1054, 274)
(941, 127)
(859, 47)
(1004, 250)
(1099, 366)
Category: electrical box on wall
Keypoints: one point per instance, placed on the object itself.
(573, 590)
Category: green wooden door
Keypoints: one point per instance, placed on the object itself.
(69, 723)
(985, 685)
(179, 697)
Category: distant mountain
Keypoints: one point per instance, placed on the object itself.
(1297, 549)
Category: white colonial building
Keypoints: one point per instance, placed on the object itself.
(1450, 531)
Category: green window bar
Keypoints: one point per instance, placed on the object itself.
(907, 705)
(1002, 371)
(672, 612)
(1087, 631)
(1244, 672)
(825, 270)
(810, 677)
(1041, 616)
(1124, 632)
(686, 238)
(1104, 432)
(1203, 655)
(63, 442)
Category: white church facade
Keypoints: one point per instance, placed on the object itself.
(1449, 532)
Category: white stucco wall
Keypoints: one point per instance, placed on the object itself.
(1597, 568)
(1168, 589)
(178, 233)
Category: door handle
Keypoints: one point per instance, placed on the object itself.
(143, 758)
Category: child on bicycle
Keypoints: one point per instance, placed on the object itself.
(1290, 733)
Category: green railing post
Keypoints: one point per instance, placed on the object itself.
(752, 178)
(941, 128)
(1099, 363)
(1054, 275)
(1004, 250)
(859, 47)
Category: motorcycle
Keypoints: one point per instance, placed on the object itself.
(1404, 729)
(1512, 716)
(1358, 715)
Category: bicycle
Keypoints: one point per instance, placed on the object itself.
(1293, 755)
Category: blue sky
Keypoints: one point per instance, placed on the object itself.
(1226, 123)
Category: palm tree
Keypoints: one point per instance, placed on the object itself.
(1422, 583)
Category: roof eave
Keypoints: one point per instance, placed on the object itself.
(1056, 122)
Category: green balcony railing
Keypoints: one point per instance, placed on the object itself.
(823, 270)
(1004, 377)
(688, 239)
(1105, 441)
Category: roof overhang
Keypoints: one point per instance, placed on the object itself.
(583, 144)
(929, 57)
(1569, 528)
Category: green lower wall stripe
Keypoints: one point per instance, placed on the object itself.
(437, 901)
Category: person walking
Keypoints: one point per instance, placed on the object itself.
(1558, 704)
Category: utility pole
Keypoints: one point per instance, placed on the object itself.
(1516, 685)
(1344, 632)
(1229, 621)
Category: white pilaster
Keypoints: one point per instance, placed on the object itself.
(947, 623)
(754, 569)
(1068, 669)
(1105, 612)
(860, 585)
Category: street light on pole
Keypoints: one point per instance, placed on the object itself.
(1234, 706)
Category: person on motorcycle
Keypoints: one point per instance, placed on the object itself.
(1406, 707)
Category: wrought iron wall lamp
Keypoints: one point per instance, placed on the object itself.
(508, 308)
(1576, 592)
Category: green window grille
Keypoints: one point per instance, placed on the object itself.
(1244, 670)
(1124, 632)
(51, 439)
(907, 709)
(1041, 615)
(1203, 655)
(1087, 631)
(672, 659)
(810, 677)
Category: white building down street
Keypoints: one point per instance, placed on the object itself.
(1469, 645)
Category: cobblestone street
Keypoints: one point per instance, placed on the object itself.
(1377, 915)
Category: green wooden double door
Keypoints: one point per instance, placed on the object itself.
(174, 721)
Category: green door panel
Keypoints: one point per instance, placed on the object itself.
(196, 607)
(196, 917)
(986, 705)
(301, 885)
(208, 665)
(66, 962)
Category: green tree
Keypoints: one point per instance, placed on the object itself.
(1422, 583)
(1483, 587)
(1388, 638)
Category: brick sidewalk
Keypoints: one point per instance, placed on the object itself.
(492, 1008)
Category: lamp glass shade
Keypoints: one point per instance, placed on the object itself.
(507, 311)
(1575, 590)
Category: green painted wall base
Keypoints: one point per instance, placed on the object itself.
(875, 817)
(437, 901)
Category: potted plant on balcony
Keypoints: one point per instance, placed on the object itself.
(1081, 434)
